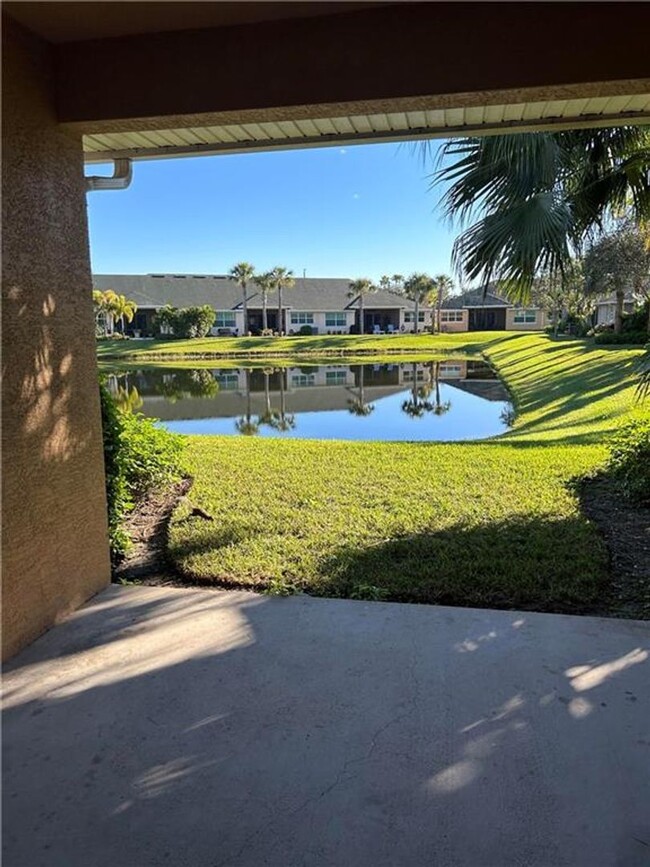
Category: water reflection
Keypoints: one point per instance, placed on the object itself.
(424, 400)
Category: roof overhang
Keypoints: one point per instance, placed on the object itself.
(612, 104)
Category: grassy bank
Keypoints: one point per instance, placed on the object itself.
(493, 523)
(290, 347)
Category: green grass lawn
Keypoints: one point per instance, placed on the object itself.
(289, 347)
(492, 523)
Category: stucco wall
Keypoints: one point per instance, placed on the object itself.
(537, 325)
(456, 326)
(55, 551)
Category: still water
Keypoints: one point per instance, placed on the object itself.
(449, 400)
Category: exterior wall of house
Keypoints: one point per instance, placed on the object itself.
(606, 312)
(463, 325)
(537, 325)
(407, 320)
(55, 553)
(319, 321)
(229, 316)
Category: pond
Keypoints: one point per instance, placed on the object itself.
(456, 399)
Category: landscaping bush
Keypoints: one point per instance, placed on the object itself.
(138, 456)
(637, 321)
(187, 322)
(625, 337)
(305, 331)
(630, 458)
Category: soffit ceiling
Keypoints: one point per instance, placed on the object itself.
(370, 127)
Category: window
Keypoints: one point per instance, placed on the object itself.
(336, 320)
(302, 318)
(225, 319)
(525, 316)
(228, 381)
(335, 377)
(450, 370)
(409, 316)
(303, 380)
(451, 315)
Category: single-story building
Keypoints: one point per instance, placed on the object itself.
(606, 308)
(323, 304)
(478, 311)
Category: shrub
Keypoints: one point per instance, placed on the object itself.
(188, 322)
(625, 337)
(305, 331)
(630, 458)
(138, 456)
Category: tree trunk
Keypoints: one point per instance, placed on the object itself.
(362, 330)
(439, 305)
(556, 324)
(245, 309)
(265, 319)
(647, 301)
(280, 311)
(417, 315)
(618, 316)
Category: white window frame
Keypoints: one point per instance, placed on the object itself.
(451, 316)
(232, 319)
(522, 316)
(341, 320)
(299, 317)
(303, 380)
(335, 377)
(409, 316)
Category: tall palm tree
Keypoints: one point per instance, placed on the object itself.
(535, 198)
(443, 286)
(245, 425)
(358, 406)
(282, 279)
(242, 274)
(439, 407)
(359, 289)
(264, 283)
(417, 288)
(283, 421)
(417, 404)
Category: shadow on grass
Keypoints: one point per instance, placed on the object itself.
(538, 564)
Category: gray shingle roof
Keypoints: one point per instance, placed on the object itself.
(475, 299)
(222, 293)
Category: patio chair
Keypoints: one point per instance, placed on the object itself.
(376, 329)
(390, 328)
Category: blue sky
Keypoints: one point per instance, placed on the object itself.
(357, 211)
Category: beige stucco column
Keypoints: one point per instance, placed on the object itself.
(55, 552)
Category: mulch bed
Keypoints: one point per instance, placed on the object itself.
(147, 526)
(625, 528)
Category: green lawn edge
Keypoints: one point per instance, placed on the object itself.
(492, 523)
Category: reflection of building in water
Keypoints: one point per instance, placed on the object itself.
(171, 394)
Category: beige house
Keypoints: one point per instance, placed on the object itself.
(478, 311)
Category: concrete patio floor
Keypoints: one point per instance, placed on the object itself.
(193, 727)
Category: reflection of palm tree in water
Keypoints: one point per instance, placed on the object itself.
(269, 416)
(245, 425)
(417, 404)
(358, 406)
(283, 422)
(439, 408)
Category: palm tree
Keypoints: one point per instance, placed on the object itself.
(242, 274)
(264, 283)
(282, 279)
(417, 404)
(245, 425)
(121, 307)
(443, 286)
(359, 289)
(535, 198)
(358, 406)
(439, 407)
(418, 288)
(269, 416)
(282, 421)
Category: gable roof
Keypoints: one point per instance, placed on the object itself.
(222, 293)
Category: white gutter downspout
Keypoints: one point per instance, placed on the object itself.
(119, 180)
